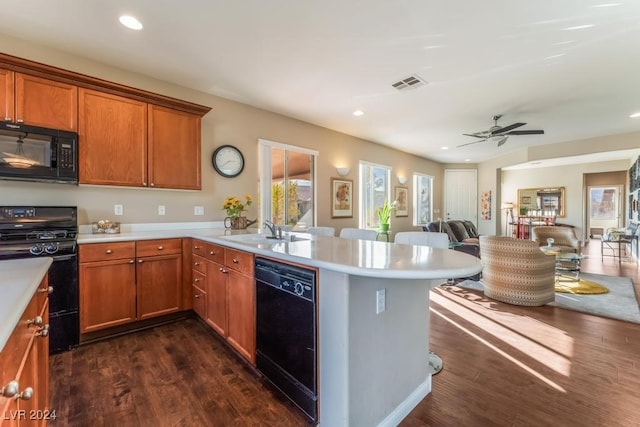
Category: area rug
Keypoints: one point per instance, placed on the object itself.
(619, 303)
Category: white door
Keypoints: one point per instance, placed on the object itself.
(461, 194)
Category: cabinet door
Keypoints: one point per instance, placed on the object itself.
(174, 149)
(112, 131)
(42, 349)
(107, 294)
(159, 285)
(241, 314)
(199, 301)
(7, 96)
(46, 103)
(217, 297)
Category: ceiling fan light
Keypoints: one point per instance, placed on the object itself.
(501, 139)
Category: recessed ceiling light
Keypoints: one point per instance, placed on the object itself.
(130, 22)
(467, 160)
(607, 5)
(579, 27)
(635, 115)
(444, 148)
(358, 113)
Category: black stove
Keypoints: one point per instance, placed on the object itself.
(34, 231)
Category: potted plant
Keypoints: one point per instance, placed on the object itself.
(384, 215)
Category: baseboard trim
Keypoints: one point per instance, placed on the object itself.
(403, 409)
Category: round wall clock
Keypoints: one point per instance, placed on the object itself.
(228, 161)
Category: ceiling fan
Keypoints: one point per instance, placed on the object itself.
(500, 134)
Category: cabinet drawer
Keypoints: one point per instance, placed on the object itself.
(106, 251)
(215, 253)
(199, 264)
(199, 279)
(239, 261)
(145, 248)
(198, 247)
(199, 301)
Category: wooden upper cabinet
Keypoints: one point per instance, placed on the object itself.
(112, 134)
(7, 96)
(174, 149)
(46, 103)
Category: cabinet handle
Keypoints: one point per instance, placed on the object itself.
(196, 296)
(26, 394)
(140, 261)
(131, 261)
(212, 253)
(196, 263)
(48, 290)
(43, 332)
(160, 248)
(7, 119)
(108, 252)
(196, 247)
(20, 120)
(10, 390)
(144, 183)
(235, 261)
(36, 321)
(197, 279)
(152, 184)
(222, 270)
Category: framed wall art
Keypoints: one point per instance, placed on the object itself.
(341, 198)
(401, 196)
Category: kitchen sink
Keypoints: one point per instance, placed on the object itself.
(264, 239)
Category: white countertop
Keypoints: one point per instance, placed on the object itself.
(19, 280)
(355, 257)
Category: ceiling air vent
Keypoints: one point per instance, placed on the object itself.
(410, 82)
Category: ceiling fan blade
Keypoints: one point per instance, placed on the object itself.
(526, 132)
(469, 143)
(476, 135)
(508, 128)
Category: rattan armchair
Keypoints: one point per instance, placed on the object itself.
(516, 271)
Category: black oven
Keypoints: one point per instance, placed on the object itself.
(34, 231)
(31, 153)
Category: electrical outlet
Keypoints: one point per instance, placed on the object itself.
(198, 210)
(381, 296)
(118, 209)
(162, 210)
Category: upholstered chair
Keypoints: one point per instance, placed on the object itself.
(563, 237)
(516, 271)
(358, 233)
(322, 231)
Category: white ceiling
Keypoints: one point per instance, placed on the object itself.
(318, 61)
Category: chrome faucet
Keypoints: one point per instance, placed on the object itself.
(272, 227)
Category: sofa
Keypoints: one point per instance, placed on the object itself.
(463, 236)
(563, 237)
(516, 271)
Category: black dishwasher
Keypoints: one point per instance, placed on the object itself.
(286, 331)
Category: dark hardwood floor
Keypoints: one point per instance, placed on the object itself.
(504, 365)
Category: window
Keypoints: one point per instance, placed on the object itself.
(422, 199)
(287, 184)
(374, 190)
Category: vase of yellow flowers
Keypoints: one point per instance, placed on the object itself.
(235, 208)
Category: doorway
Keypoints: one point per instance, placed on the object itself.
(604, 209)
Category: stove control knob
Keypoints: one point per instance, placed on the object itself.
(36, 250)
(51, 248)
(298, 289)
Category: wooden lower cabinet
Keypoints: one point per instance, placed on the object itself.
(124, 282)
(25, 360)
(230, 294)
(107, 294)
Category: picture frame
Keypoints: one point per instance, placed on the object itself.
(526, 200)
(401, 197)
(341, 198)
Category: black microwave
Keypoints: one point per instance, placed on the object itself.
(31, 153)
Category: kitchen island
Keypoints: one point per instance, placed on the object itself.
(373, 367)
